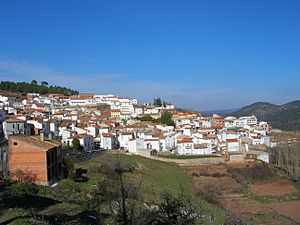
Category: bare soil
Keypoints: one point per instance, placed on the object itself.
(279, 187)
(228, 184)
(289, 209)
(247, 206)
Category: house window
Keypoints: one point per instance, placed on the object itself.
(15, 143)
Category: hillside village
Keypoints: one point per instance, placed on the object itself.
(46, 125)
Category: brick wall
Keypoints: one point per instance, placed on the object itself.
(25, 157)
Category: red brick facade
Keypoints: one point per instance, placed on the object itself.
(41, 160)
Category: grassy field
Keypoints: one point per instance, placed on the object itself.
(12, 213)
(154, 177)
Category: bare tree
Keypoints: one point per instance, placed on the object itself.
(23, 176)
(124, 196)
(287, 157)
(174, 209)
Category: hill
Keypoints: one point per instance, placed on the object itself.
(34, 87)
(285, 117)
(222, 112)
(71, 201)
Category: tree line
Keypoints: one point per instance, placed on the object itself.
(34, 87)
(286, 156)
(158, 102)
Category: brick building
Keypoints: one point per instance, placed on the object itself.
(35, 156)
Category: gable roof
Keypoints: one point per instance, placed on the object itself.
(36, 141)
(81, 136)
(14, 120)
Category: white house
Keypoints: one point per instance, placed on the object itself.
(54, 127)
(80, 130)
(205, 122)
(260, 155)
(170, 107)
(229, 122)
(134, 145)
(93, 130)
(246, 120)
(138, 110)
(124, 138)
(85, 140)
(108, 141)
(103, 128)
(150, 110)
(152, 143)
(40, 106)
(166, 143)
(40, 125)
(232, 145)
(66, 134)
(202, 149)
(229, 135)
(185, 147)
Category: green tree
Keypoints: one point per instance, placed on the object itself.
(76, 144)
(44, 83)
(34, 87)
(157, 102)
(145, 118)
(166, 118)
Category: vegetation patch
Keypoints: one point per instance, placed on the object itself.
(34, 87)
(12, 213)
(118, 188)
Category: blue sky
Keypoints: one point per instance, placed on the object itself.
(197, 54)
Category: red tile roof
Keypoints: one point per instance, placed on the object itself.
(107, 135)
(186, 140)
(14, 120)
(232, 140)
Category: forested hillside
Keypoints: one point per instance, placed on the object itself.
(34, 87)
(285, 117)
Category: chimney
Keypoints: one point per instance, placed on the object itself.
(50, 136)
(42, 135)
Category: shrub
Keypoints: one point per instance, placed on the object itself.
(22, 188)
(211, 193)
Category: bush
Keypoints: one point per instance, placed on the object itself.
(22, 188)
(258, 172)
(68, 167)
(211, 193)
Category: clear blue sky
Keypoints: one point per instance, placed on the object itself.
(197, 54)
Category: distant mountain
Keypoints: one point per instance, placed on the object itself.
(285, 117)
(222, 112)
